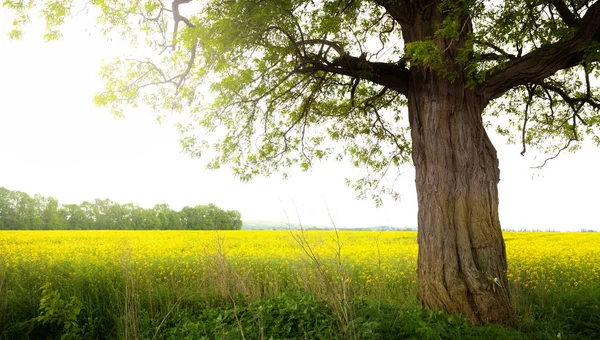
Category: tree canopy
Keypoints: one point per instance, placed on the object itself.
(293, 81)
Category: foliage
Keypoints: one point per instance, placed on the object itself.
(283, 83)
(20, 211)
(56, 311)
(282, 317)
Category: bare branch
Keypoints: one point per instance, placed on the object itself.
(530, 92)
(556, 155)
(381, 123)
(339, 49)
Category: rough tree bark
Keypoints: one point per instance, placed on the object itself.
(462, 258)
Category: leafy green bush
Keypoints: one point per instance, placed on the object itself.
(282, 317)
(54, 311)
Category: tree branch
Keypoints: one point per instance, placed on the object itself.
(556, 155)
(339, 49)
(565, 13)
(399, 10)
(543, 62)
(393, 76)
(502, 52)
(530, 92)
(572, 101)
(177, 17)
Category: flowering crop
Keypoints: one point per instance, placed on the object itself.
(158, 267)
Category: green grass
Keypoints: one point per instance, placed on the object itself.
(170, 314)
(301, 316)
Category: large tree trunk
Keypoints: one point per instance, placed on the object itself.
(462, 258)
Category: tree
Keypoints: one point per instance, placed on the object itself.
(7, 209)
(236, 219)
(50, 212)
(169, 218)
(120, 216)
(100, 209)
(88, 210)
(289, 75)
(145, 219)
(76, 217)
(27, 212)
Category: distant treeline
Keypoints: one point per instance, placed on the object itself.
(20, 211)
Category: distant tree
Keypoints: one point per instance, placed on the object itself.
(89, 209)
(38, 205)
(50, 215)
(210, 217)
(118, 216)
(145, 219)
(192, 218)
(221, 219)
(6, 209)
(76, 217)
(27, 212)
(169, 219)
(236, 219)
(162, 211)
(100, 208)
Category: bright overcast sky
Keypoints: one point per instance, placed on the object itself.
(55, 142)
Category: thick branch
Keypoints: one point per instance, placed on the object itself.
(393, 76)
(177, 17)
(566, 15)
(545, 61)
(399, 10)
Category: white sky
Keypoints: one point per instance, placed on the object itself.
(55, 142)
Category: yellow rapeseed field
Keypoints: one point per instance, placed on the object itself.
(262, 263)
